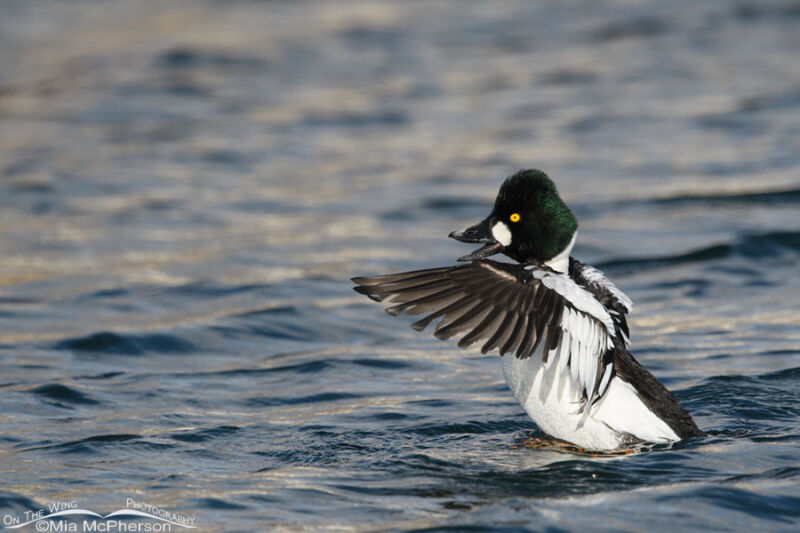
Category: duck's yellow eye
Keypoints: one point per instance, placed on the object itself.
(514, 217)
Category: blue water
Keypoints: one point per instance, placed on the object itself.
(186, 188)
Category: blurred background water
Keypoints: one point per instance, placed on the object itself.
(186, 188)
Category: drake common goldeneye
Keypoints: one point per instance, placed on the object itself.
(559, 324)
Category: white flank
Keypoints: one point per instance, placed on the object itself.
(501, 233)
(622, 410)
(553, 398)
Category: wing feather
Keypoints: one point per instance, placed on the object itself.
(501, 333)
(421, 303)
(528, 338)
(564, 349)
(515, 338)
(516, 310)
(419, 325)
(553, 335)
(575, 350)
(482, 330)
(459, 319)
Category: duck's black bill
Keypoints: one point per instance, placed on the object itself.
(480, 232)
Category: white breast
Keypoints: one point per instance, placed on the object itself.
(552, 400)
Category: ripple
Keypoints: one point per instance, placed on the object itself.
(786, 472)
(268, 401)
(641, 27)
(568, 77)
(789, 374)
(185, 57)
(292, 323)
(602, 122)
(16, 502)
(114, 343)
(769, 197)
(470, 427)
(210, 289)
(781, 509)
(100, 443)
(448, 203)
(783, 11)
(354, 120)
(309, 367)
(204, 435)
(217, 504)
(62, 393)
(784, 99)
(359, 36)
(748, 402)
(762, 245)
(710, 253)
(388, 364)
(733, 123)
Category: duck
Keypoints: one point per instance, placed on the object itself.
(559, 325)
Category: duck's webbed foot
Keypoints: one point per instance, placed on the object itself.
(546, 442)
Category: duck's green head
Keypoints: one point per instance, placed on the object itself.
(529, 223)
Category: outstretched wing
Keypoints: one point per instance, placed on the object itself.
(514, 309)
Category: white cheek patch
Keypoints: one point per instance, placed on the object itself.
(501, 233)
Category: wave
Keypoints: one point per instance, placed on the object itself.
(771, 244)
(98, 443)
(782, 196)
(115, 343)
(61, 393)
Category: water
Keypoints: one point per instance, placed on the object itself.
(188, 186)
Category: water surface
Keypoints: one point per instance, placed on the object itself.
(186, 188)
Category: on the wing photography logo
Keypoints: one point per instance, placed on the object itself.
(68, 516)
